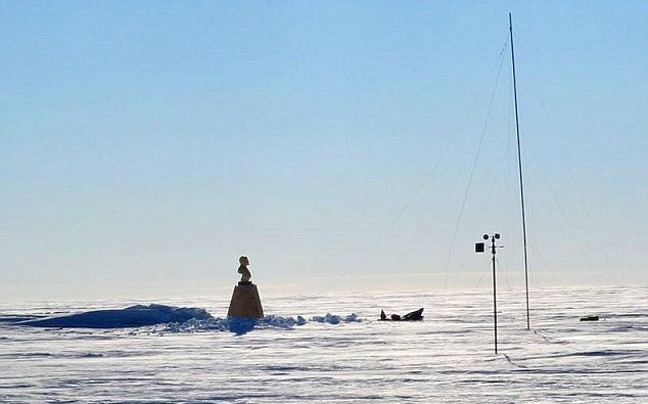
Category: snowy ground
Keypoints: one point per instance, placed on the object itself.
(298, 354)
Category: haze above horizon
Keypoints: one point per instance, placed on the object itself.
(341, 146)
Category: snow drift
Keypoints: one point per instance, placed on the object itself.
(134, 316)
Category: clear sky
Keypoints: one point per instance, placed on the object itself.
(146, 145)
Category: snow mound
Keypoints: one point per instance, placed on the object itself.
(333, 319)
(236, 325)
(173, 320)
(134, 316)
(244, 325)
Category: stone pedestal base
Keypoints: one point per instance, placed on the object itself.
(245, 302)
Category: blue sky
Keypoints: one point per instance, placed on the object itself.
(146, 145)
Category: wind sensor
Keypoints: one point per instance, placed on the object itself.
(480, 248)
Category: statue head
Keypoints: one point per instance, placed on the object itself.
(244, 260)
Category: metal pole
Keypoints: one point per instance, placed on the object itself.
(494, 291)
(517, 131)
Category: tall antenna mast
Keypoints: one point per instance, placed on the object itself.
(517, 131)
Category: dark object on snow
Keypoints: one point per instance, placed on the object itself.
(413, 316)
(590, 318)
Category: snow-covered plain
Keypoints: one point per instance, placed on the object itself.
(298, 354)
